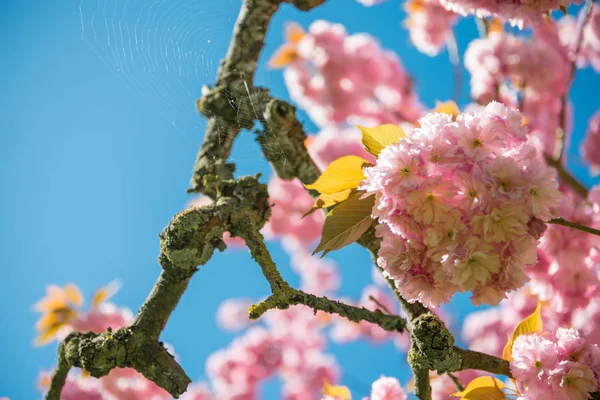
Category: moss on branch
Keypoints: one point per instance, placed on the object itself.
(283, 296)
(188, 241)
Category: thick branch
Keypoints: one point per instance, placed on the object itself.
(231, 105)
(59, 376)
(187, 242)
(422, 383)
(227, 106)
(483, 362)
(284, 296)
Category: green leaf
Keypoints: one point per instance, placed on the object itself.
(530, 324)
(483, 388)
(343, 173)
(377, 138)
(327, 200)
(346, 223)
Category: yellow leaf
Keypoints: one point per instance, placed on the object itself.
(377, 138)
(483, 388)
(447, 107)
(346, 222)
(507, 351)
(564, 10)
(73, 294)
(293, 32)
(284, 56)
(343, 173)
(531, 324)
(496, 25)
(105, 293)
(337, 392)
(48, 335)
(327, 200)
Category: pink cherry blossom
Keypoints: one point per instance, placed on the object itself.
(589, 48)
(332, 143)
(559, 365)
(429, 25)
(590, 148)
(459, 220)
(386, 388)
(289, 202)
(339, 78)
(232, 314)
(516, 11)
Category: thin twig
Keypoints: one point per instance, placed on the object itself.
(457, 383)
(380, 305)
(566, 177)
(574, 225)
(283, 296)
(454, 57)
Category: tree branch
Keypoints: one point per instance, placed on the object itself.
(484, 362)
(187, 242)
(59, 376)
(229, 106)
(567, 178)
(563, 222)
(283, 296)
(457, 383)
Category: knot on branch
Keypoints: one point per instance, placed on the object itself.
(192, 235)
(208, 176)
(99, 354)
(432, 345)
(230, 107)
(289, 157)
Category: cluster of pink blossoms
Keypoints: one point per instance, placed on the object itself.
(291, 346)
(566, 274)
(429, 25)
(590, 148)
(516, 11)
(339, 78)
(502, 65)
(461, 206)
(589, 51)
(289, 202)
(555, 366)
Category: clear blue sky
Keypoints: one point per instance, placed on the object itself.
(98, 134)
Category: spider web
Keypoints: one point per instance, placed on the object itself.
(164, 51)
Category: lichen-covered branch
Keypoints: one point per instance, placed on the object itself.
(422, 384)
(283, 296)
(187, 242)
(282, 143)
(59, 375)
(230, 104)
